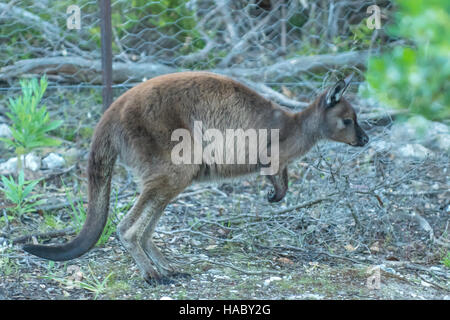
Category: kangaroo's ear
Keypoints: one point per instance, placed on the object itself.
(336, 92)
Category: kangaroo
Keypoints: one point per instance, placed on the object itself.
(138, 128)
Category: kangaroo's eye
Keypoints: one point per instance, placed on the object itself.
(348, 122)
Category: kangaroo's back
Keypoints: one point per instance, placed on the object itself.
(176, 100)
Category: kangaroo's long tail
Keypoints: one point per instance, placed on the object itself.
(100, 167)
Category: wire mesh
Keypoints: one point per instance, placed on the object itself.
(290, 46)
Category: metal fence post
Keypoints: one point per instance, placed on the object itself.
(106, 39)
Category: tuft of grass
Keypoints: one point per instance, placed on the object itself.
(446, 260)
(92, 284)
(8, 266)
(19, 193)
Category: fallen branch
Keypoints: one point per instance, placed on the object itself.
(66, 204)
(227, 265)
(305, 204)
(51, 234)
(433, 283)
(424, 225)
(294, 66)
(77, 69)
(308, 251)
(408, 265)
(53, 175)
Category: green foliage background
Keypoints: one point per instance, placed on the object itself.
(171, 20)
(416, 76)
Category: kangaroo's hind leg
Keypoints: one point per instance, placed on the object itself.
(150, 248)
(130, 230)
(179, 181)
(139, 223)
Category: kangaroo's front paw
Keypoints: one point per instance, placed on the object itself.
(272, 196)
(158, 280)
(182, 275)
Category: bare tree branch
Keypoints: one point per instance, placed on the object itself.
(274, 95)
(238, 48)
(75, 69)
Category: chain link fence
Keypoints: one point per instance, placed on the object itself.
(286, 50)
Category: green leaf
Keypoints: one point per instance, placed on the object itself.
(52, 125)
(30, 187)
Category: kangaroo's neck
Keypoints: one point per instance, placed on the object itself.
(307, 131)
(309, 121)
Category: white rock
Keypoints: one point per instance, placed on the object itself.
(403, 131)
(441, 142)
(53, 161)
(32, 162)
(431, 134)
(9, 166)
(435, 128)
(71, 154)
(413, 150)
(381, 145)
(312, 296)
(271, 279)
(5, 131)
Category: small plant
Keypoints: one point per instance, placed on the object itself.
(52, 221)
(446, 260)
(8, 266)
(97, 287)
(20, 194)
(30, 123)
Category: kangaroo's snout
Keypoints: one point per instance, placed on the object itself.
(364, 140)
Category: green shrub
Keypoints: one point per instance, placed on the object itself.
(446, 260)
(30, 123)
(416, 76)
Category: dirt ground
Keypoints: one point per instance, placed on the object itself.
(357, 223)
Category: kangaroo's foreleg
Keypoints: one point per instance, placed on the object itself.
(280, 186)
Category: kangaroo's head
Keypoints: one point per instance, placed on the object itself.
(339, 121)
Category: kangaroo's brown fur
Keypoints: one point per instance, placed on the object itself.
(138, 126)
